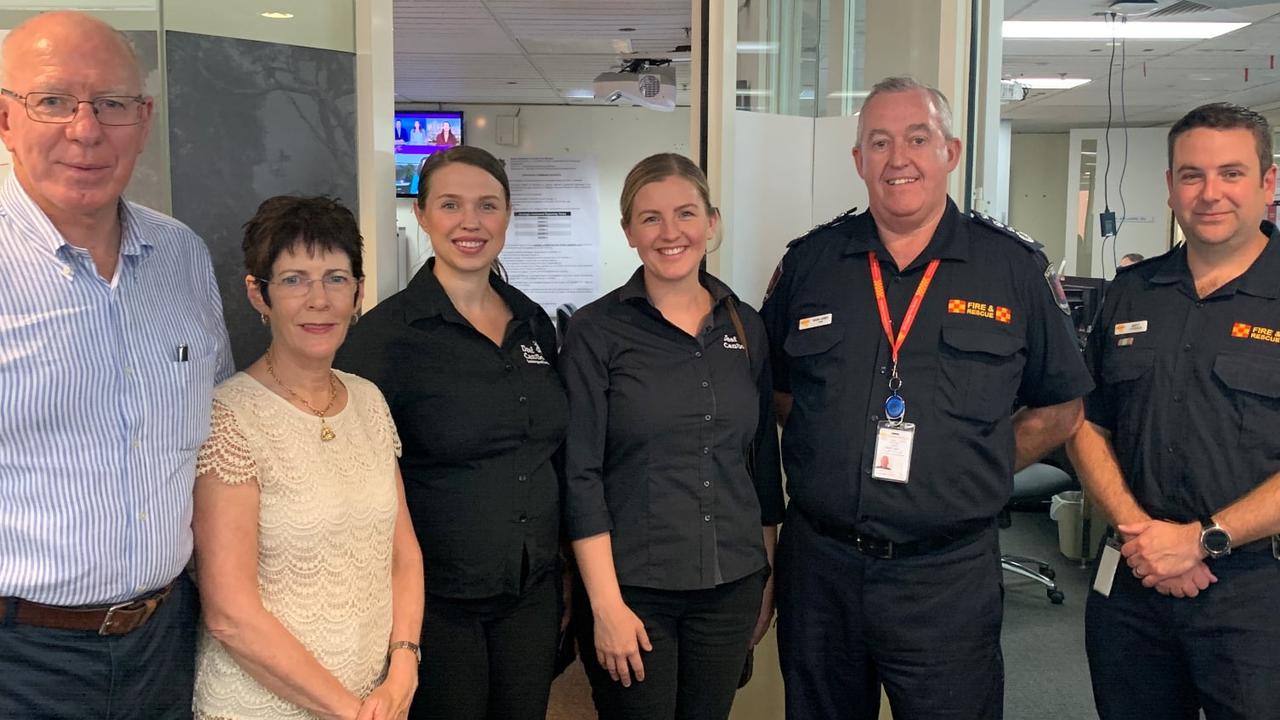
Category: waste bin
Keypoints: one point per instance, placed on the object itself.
(1066, 508)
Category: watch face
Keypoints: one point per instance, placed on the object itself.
(1216, 541)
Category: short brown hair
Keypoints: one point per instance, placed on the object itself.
(317, 224)
(1227, 116)
(657, 168)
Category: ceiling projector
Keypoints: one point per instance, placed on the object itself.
(640, 82)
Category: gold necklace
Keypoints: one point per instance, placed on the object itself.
(326, 432)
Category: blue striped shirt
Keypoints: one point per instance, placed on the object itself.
(99, 419)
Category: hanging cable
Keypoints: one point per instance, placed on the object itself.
(1124, 162)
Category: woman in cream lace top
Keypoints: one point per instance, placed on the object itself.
(310, 575)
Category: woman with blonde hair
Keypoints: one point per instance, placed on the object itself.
(673, 479)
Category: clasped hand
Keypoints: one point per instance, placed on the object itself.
(1167, 556)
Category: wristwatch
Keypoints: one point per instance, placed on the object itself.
(1214, 539)
(417, 652)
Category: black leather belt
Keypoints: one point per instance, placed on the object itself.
(878, 547)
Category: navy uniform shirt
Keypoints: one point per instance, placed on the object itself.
(1189, 387)
(989, 335)
(481, 427)
(673, 446)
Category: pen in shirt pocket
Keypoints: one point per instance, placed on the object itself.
(181, 353)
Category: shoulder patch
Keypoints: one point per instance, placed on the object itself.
(837, 220)
(1023, 239)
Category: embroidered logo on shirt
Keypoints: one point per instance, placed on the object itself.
(1254, 332)
(731, 343)
(533, 354)
(991, 312)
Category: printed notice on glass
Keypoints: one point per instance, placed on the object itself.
(551, 253)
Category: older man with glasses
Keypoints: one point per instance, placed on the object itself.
(111, 339)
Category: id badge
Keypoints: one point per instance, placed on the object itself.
(893, 451)
(1107, 565)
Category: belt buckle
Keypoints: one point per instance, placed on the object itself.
(108, 619)
(883, 551)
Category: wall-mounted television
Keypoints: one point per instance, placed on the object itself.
(419, 133)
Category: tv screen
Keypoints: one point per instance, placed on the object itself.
(419, 133)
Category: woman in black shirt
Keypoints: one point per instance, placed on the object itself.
(467, 364)
(673, 481)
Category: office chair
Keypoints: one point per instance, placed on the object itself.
(1036, 482)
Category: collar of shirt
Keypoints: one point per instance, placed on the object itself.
(426, 298)
(17, 204)
(950, 240)
(634, 288)
(1262, 279)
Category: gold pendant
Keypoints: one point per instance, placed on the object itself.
(326, 434)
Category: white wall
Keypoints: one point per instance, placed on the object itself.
(1038, 188)
(1144, 215)
(616, 137)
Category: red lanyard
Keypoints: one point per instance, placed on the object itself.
(877, 280)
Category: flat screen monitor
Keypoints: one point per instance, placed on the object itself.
(1084, 295)
(419, 133)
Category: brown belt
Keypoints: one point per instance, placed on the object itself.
(119, 619)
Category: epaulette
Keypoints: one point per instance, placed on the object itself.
(837, 220)
(1023, 239)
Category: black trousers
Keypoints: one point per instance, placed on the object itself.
(926, 627)
(490, 659)
(1153, 656)
(48, 674)
(700, 640)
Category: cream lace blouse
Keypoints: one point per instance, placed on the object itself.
(326, 518)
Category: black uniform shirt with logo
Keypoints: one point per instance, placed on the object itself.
(662, 426)
(989, 335)
(1189, 387)
(481, 427)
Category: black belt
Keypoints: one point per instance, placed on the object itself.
(883, 549)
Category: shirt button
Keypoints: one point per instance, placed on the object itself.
(706, 483)
(134, 443)
(883, 369)
(128, 372)
(1186, 347)
(706, 518)
(524, 518)
(523, 478)
(523, 400)
(706, 384)
(1177, 398)
(697, 354)
(706, 451)
(707, 418)
(1199, 304)
(509, 367)
(1170, 449)
(142, 515)
(66, 270)
(874, 418)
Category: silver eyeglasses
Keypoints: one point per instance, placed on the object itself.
(113, 110)
(299, 285)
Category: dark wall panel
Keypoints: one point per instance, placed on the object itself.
(249, 120)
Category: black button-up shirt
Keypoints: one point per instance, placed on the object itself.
(480, 425)
(661, 428)
(1190, 387)
(989, 334)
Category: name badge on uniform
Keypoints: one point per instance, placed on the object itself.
(1129, 328)
(1107, 565)
(815, 321)
(893, 451)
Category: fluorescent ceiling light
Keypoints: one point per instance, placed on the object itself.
(1102, 30)
(758, 47)
(578, 93)
(277, 15)
(840, 94)
(1051, 83)
(754, 93)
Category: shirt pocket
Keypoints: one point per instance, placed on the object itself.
(980, 371)
(1254, 385)
(189, 394)
(814, 360)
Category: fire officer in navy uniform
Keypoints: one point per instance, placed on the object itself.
(1181, 445)
(902, 338)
